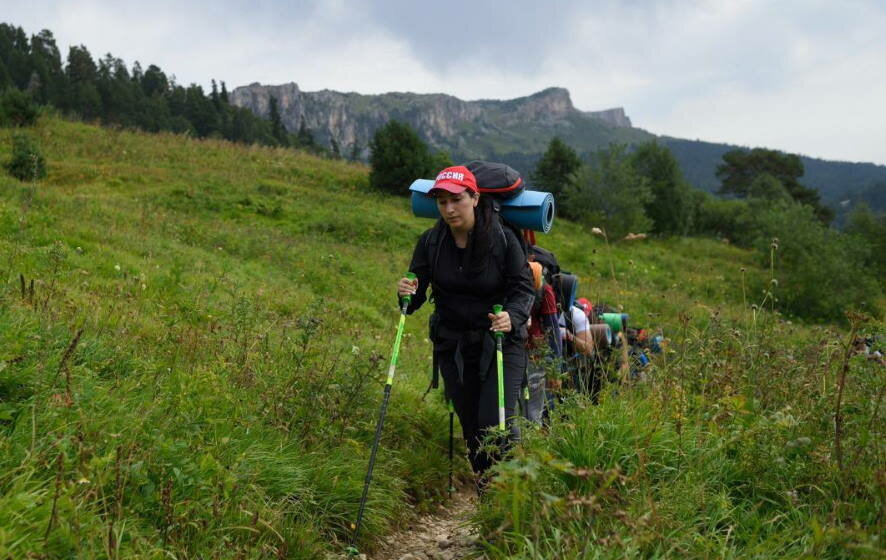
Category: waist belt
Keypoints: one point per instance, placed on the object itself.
(446, 340)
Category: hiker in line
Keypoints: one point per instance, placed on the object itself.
(472, 261)
(543, 346)
(578, 346)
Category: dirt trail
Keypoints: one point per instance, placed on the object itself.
(442, 535)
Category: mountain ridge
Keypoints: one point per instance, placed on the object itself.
(518, 130)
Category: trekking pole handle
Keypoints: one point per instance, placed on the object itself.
(496, 309)
(406, 300)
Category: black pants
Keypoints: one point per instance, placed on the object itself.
(475, 397)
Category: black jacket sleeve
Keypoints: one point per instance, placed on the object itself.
(422, 270)
(518, 285)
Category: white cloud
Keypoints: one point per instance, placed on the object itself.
(799, 76)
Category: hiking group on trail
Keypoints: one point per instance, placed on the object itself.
(508, 329)
(473, 259)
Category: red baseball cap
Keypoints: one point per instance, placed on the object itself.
(585, 305)
(455, 179)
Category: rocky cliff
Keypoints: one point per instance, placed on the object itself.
(515, 131)
(464, 128)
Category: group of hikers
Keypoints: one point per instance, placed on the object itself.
(473, 259)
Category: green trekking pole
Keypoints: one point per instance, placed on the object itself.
(500, 364)
(404, 304)
(451, 440)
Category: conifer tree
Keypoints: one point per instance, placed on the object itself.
(83, 96)
(305, 138)
(214, 95)
(670, 207)
(46, 64)
(278, 130)
(556, 166)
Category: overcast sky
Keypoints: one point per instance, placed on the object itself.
(801, 76)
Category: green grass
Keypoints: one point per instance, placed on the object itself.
(237, 311)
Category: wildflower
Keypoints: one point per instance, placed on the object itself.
(117, 267)
(355, 350)
(597, 231)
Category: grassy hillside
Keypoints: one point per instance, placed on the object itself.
(235, 312)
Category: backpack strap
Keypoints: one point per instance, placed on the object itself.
(440, 231)
(432, 248)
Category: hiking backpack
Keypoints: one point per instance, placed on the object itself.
(500, 182)
(497, 179)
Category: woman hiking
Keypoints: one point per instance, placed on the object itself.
(472, 261)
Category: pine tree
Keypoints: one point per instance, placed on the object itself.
(46, 62)
(556, 166)
(154, 81)
(305, 138)
(336, 153)
(355, 152)
(214, 95)
(670, 207)
(278, 130)
(200, 111)
(15, 54)
(224, 94)
(81, 72)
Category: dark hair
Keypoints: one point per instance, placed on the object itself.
(479, 245)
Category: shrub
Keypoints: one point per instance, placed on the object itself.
(27, 163)
(17, 109)
(608, 192)
(398, 158)
(821, 272)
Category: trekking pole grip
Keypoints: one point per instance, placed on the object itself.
(496, 309)
(499, 363)
(406, 300)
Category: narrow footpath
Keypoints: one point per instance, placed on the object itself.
(441, 535)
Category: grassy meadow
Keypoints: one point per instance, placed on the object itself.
(193, 336)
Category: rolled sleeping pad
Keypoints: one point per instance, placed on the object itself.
(601, 334)
(614, 320)
(528, 210)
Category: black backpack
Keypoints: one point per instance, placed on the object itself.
(497, 179)
(547, 260)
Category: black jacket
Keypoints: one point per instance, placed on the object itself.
(462, 303)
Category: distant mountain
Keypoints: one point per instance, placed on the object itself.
(518, 130)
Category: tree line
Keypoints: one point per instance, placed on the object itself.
(762, 205)
(145, 98)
